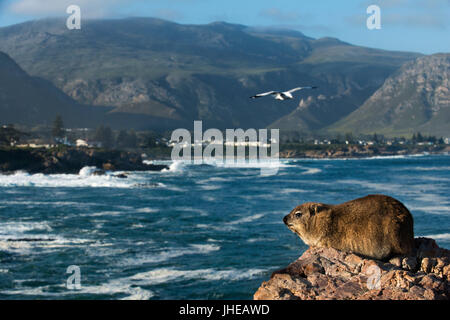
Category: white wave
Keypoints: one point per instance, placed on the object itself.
(64, 180)
(132, 286)
(137, 226)
(215, 227)
(218, 179)
(117, 286)
(437, 179)
(170, 254)
(87, 171)
(210, 187)
(17, 228)
(247, 219)
(290, 191)
(172, 188)
(312, 171)
(442, 236)
(261, 239)
(208, 198)
(386, 157)
(230, 226)
(443, 168)
(112, 287)
(205, 248)
(139, 294)
(361, 158)
(83, 180)
(176, 166)
(432, 209)
(146, 210)
(104, 213)
(252, 164)
(164, 275)
(375, 186)
(25, 237)
(200, 212)
(27, 244)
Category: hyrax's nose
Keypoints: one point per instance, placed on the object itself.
(285, 219)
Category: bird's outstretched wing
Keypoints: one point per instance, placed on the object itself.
(259, 95)
(300, 88)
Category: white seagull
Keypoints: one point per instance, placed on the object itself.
(281, 95)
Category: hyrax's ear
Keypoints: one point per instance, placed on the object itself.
(317, 208)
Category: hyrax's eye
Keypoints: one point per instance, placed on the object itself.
(298, 214)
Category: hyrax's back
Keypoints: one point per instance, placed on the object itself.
(377, 225)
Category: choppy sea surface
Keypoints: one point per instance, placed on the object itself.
(191, 232)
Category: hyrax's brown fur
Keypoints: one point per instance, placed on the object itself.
(375, 226)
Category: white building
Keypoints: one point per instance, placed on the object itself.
(81, 143)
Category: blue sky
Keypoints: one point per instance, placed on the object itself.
(407, 25)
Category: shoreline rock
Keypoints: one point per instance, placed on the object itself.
(71, 160)
(330, 274)
(356, 152)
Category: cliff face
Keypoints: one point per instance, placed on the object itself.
(330, 274)
(416, 96)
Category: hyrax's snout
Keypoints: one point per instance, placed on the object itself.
(285, 219)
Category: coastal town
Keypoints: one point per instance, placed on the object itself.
(154, 145)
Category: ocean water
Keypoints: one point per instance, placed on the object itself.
(191, 232)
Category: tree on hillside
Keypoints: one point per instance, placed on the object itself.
(375, 138)
(104, 135)
(419, 137)
(126, 139)
(148, 140)
(58, 127)
(349, 137)
(132, 139)
(121, 139)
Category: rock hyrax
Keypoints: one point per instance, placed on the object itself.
(375, 226)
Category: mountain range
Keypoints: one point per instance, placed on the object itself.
(147, 73)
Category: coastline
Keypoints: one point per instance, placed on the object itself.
(70, 160)
(357, 151)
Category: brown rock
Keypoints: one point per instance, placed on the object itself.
(330, 274)
(108, 167)
(409, 263)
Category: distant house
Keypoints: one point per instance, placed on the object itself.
(81, 143)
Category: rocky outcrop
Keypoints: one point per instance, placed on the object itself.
(355, 151)
(71, 160)
(330, 274)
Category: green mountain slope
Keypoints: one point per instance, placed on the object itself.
(416, 98)
(159, 73)
(32, 101)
